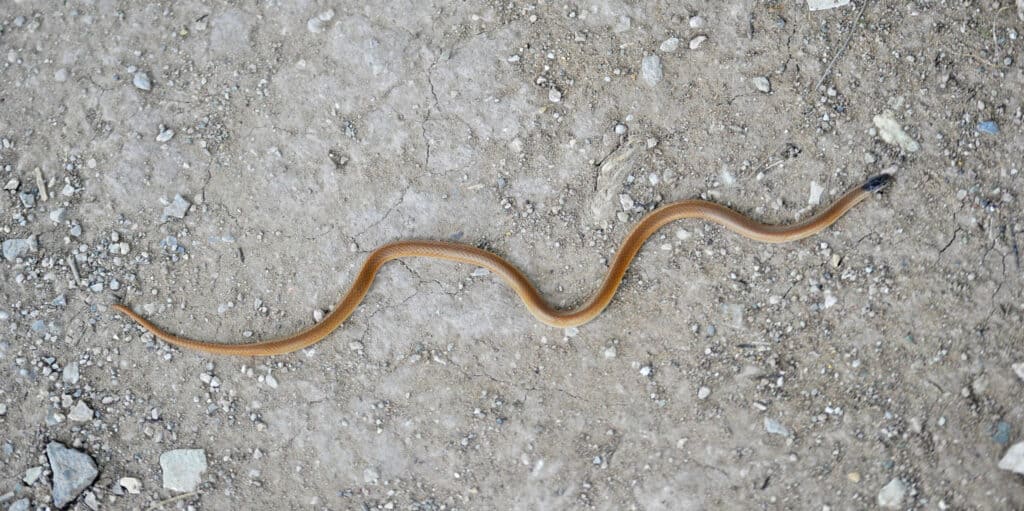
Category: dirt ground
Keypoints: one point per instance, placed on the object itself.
(870, 365)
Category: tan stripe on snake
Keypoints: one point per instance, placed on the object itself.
(518, 282)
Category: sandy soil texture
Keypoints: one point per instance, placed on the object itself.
(224, 168)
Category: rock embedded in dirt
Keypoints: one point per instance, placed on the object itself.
(182, 469)
(73, 472)
(892, 494)
(650, 70)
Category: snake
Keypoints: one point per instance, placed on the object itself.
(515, 279)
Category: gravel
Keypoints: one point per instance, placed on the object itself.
(182, 469)
(73, 472)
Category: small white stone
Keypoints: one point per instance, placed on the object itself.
(830, 300)
(81, 412)
(696, 22)
(817, 5)
(554, 95)
(650, 70)
(182, 469)
(32, 475)
(610, 352)
(626, 202)
(131, 485)
(697, 41)
(1018, 369)
(318, 23)
(669, 45)
(271, 381)
(815, 197)
(762, 84)
(141, 81)
(703, 393)
(1013, 460)
(892, 133)
(165, 135)
(645, 371)
(891, 495)
(775, 427)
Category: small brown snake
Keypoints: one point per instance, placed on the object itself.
(518, 282)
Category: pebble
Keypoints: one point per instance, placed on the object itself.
(318, 23)
(32, 475)
(988, 127)
(176, 209)
(1018, 369)
(650, 70)
(1001, 434)
(73, 472)
(57, 215)
(697, 41)
(1013, 460)
(610, 352)
(762, 84)
(182, 469)
(854, 477)
(20, 505)
(61, 75)
(626, 202)
(669, 45)
(703, 393)
(645, 371)
(15, 248)
(892, 133)
(696, 22)
(891, 495)
(81, 412)
(775, 427)
(141, 81)
(815, 197)
(165, 135)
(554, 95)
(818, 5)
(271, 381)
(131, 485)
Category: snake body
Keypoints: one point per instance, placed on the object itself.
(515, 279)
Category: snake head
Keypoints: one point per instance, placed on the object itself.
(878, 183)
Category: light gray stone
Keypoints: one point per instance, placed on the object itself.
(650, 70)
(73, 472)
(892, 494)
(182, 469)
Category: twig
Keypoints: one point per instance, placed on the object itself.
(828, 69)
(172, 499)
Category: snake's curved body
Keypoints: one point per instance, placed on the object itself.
(515, 279)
